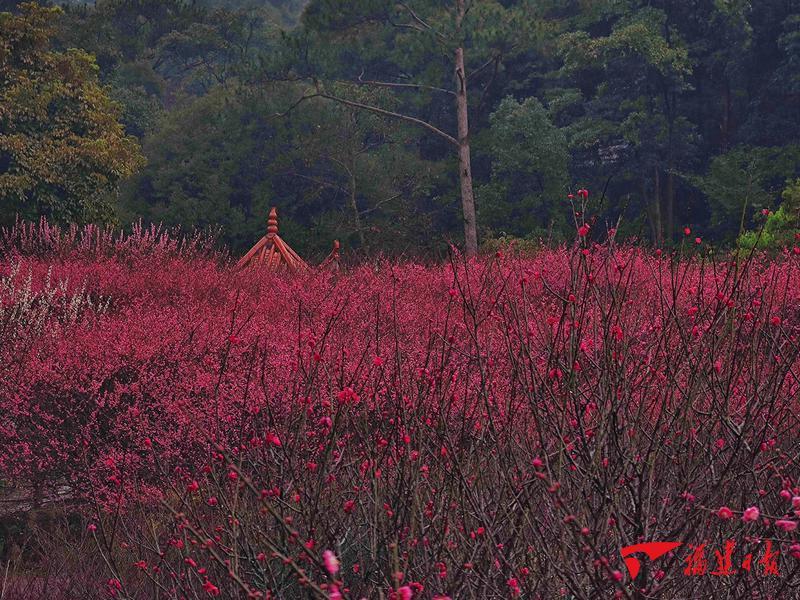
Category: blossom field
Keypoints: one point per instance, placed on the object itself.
(492, 428)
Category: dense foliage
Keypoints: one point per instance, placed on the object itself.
(62, 150)
(488, 428)
(678, 113)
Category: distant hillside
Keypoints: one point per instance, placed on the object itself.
(285, 11)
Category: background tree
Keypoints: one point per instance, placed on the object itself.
(664, 109)
(529, 171)
(743, 182)
(367, 168)
(414, 33)
(781, 227)
(63, 151)
(634, 80)
(336, 172)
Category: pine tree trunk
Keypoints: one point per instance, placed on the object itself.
(657, 205)
(725, 126)
(354, 208)
(654, 209)
(669, 226)
(464, 160)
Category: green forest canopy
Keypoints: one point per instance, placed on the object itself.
(672, 113)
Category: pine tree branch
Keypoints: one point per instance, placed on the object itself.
(373, 109)
(389, 113)
(391, 84)
(424, 24)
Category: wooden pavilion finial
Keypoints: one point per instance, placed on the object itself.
(272, 222)
(272, 252)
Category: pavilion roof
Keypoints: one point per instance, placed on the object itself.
(272, 251)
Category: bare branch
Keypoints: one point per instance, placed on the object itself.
(415, 16)
(391, 84)
(493, 59)
(295, 104)
(421, 21)
(379, 204)
(413, 26)
(389, 113)
(373, 109)
(489, 83)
